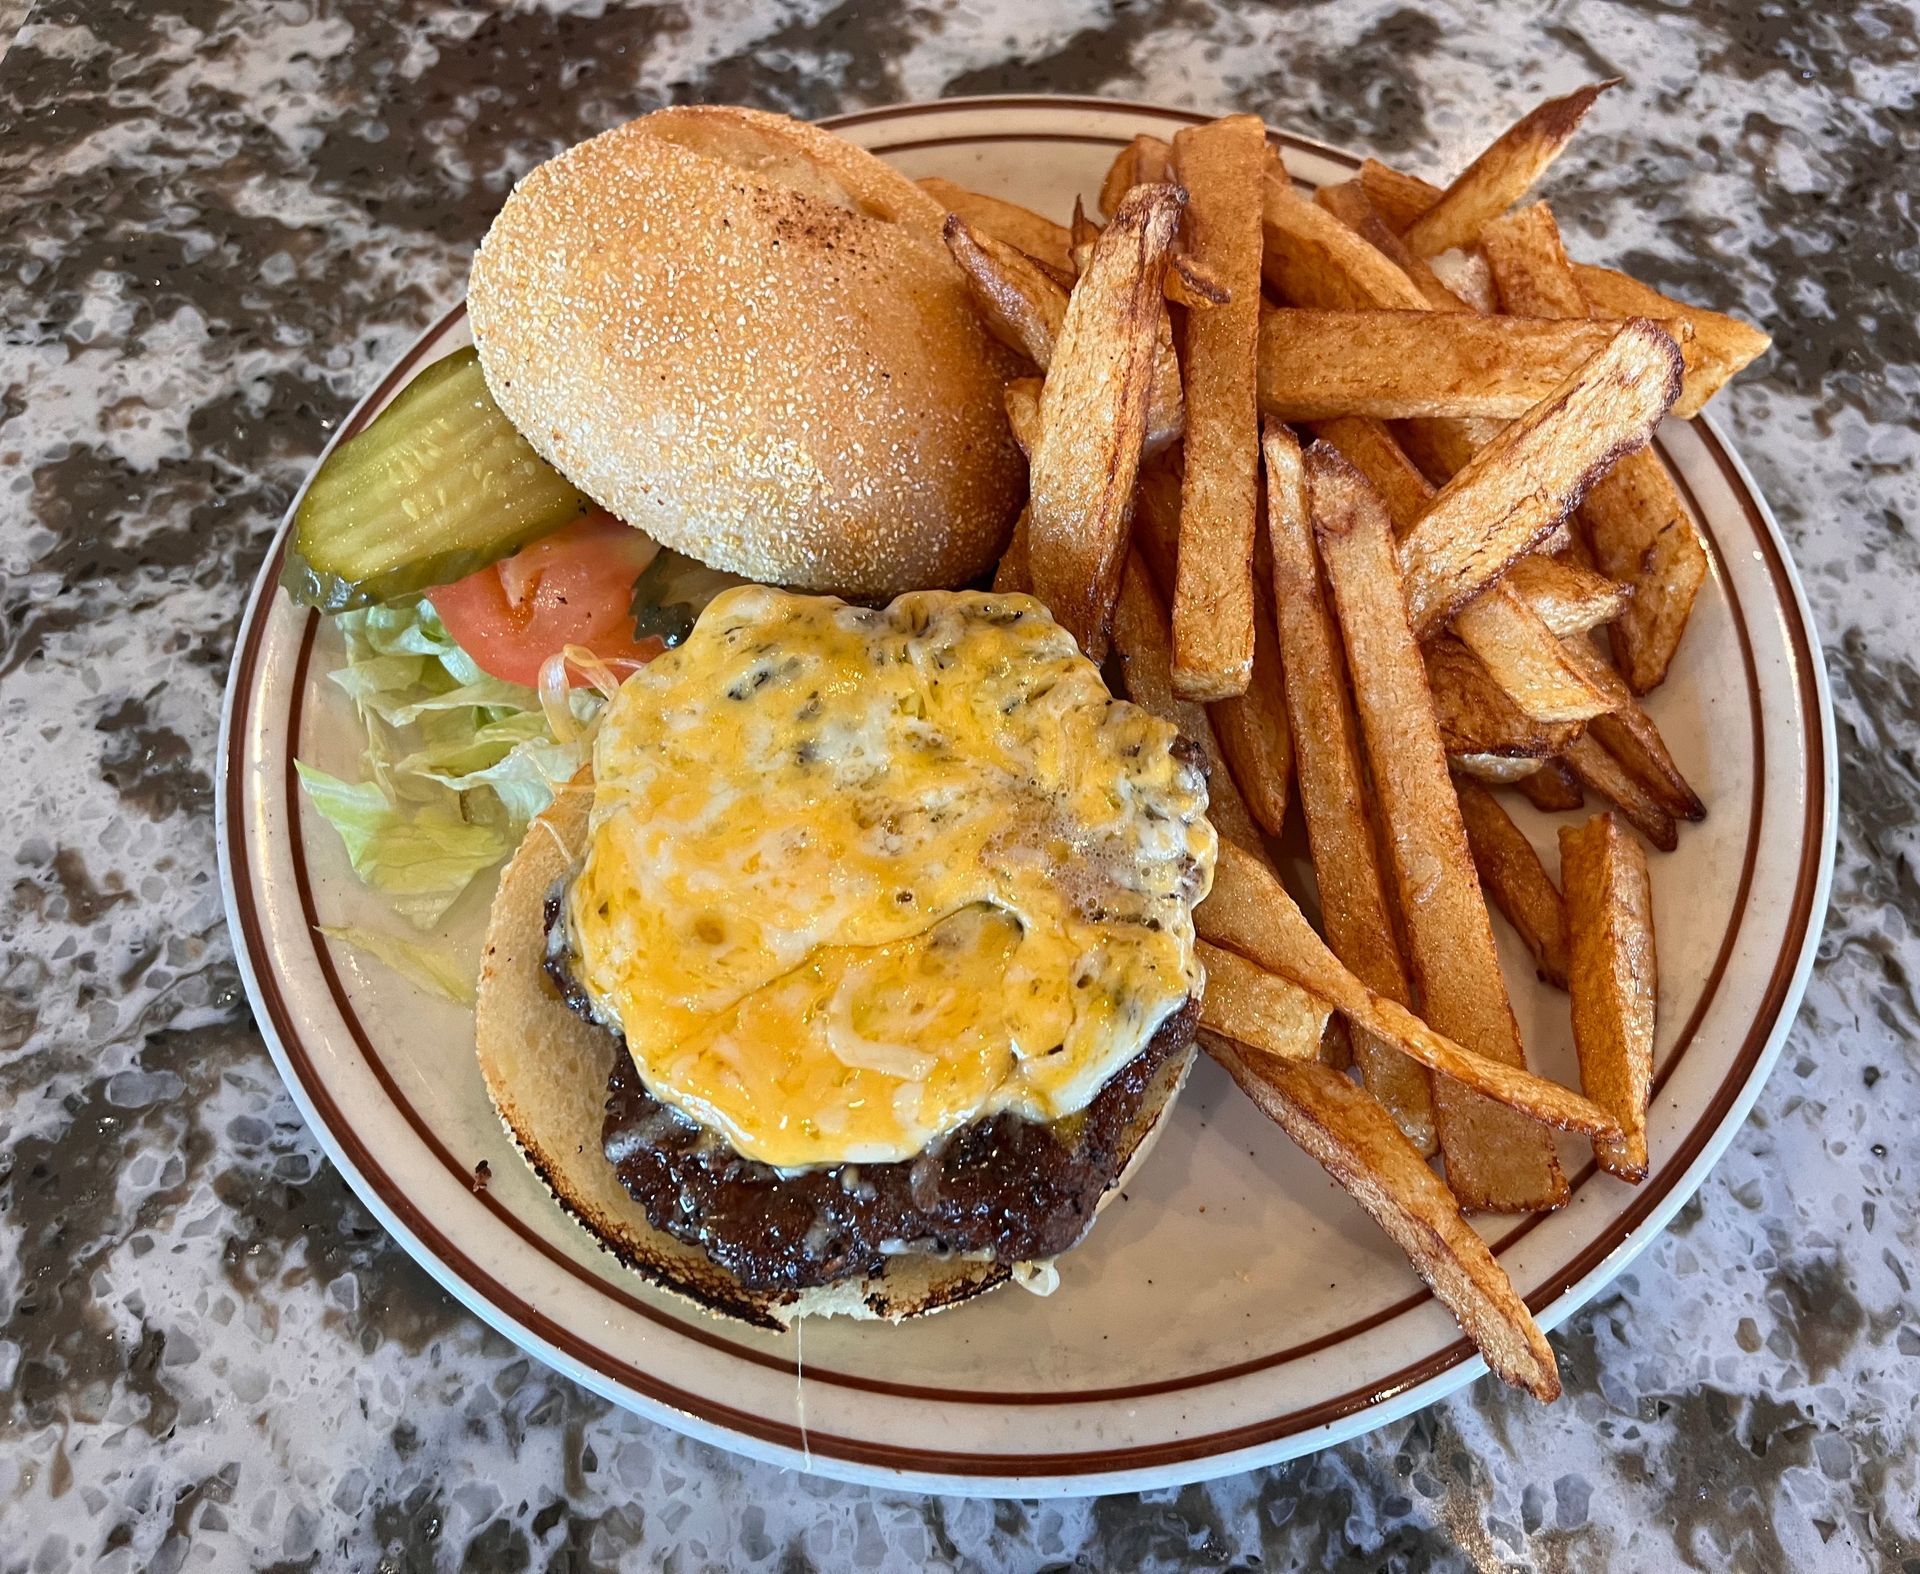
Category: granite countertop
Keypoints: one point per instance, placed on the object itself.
(221, 219)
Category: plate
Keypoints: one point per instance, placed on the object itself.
(1233, 1308)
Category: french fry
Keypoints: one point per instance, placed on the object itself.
(1494, 1159)
(1615, 980)
(1166, 401)
(1255, 907)
(1627, 733)
(1498, 770)
(1248, 910)
(1143, 640)
(1724, 345)
(1531, 273)
(1142, 162)
(1514, 644)
(1341, 836)
(1640, 533)
(1394, 364)
(1518, 649)
(1534, 278)
(1252, 728)
(1348, 202)
(1255, 735)
(1371, 449)
(1195, 285)
(1498, 178)
(1093, 416)
(1464, 275)
(1568, 599)
(1356, 1143)
(1515, 880)
(1012, 573)
(1598, 771)
(1220, 165)
(1156, 520)
(1024, 307)
(1552, 789)
(1398, 198)
(1022, 399)
(1019, 227)
(1167, 413)
(1633, 516)
(1313, 260)
(1271, 1014)
(1528, 479)
(1082, 233)
(1441, 449)
(1477, 716)
(1572, 549)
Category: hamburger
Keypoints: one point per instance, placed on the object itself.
(855, 967)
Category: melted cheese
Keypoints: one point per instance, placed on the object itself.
(855, 878)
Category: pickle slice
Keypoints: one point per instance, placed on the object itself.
(671, 593)
(439, 485)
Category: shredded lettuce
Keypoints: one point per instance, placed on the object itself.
(456, 762)
(426, 965)
(490, 694)
(421, 855)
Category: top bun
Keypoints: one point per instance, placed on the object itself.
(744, 335)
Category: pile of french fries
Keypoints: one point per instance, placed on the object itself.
(1353, 486)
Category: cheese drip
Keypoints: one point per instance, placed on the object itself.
(855, 878)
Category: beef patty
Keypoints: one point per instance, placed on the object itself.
(1011, 1189)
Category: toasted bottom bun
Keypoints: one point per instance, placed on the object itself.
(546, 1070)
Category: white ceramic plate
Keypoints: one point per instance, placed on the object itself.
(1235, 1308)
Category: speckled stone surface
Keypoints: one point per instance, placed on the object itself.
(219, 219)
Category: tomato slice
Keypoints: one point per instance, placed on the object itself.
(574, 587)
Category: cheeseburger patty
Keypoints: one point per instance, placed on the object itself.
(1007, 1188)
(854, 877)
